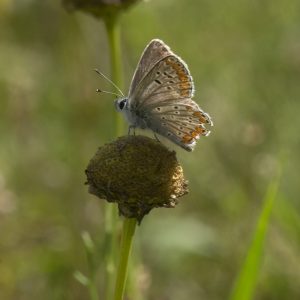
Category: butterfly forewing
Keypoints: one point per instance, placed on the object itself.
(154, 52)
(168, 79)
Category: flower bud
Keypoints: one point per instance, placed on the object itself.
(138, 173)
(99, 8)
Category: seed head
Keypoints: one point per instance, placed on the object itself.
(138, 173)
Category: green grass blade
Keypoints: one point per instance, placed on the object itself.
(246, 280)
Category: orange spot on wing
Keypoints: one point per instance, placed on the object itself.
(200, 130)
(187, 139)
(186, 88)
(182, 75)
(194, 134)
(197, 114)
(202, 117)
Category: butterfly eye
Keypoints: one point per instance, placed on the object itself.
(121, 104)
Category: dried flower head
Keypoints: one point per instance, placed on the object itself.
(138, 173)
(99, 8)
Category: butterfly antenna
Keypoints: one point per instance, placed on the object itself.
(101, 74)
(111, 93)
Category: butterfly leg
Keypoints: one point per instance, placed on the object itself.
(129, 129)
(108, 187)
(156, 137)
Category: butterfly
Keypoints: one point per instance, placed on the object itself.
(160, 98)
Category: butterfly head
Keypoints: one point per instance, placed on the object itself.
(121, 103)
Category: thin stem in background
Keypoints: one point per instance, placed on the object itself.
(129, 225)
(113, 32)
(90, 282)
(111, 212)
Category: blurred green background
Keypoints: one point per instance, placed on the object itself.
(245, 60)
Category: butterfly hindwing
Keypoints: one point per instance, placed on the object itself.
(181, 123)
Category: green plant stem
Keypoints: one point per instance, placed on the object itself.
(93, 290)
(129, 225)
(111, 212)
(111, 248)
(113, 32)
(90, 253)
(245, 284)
